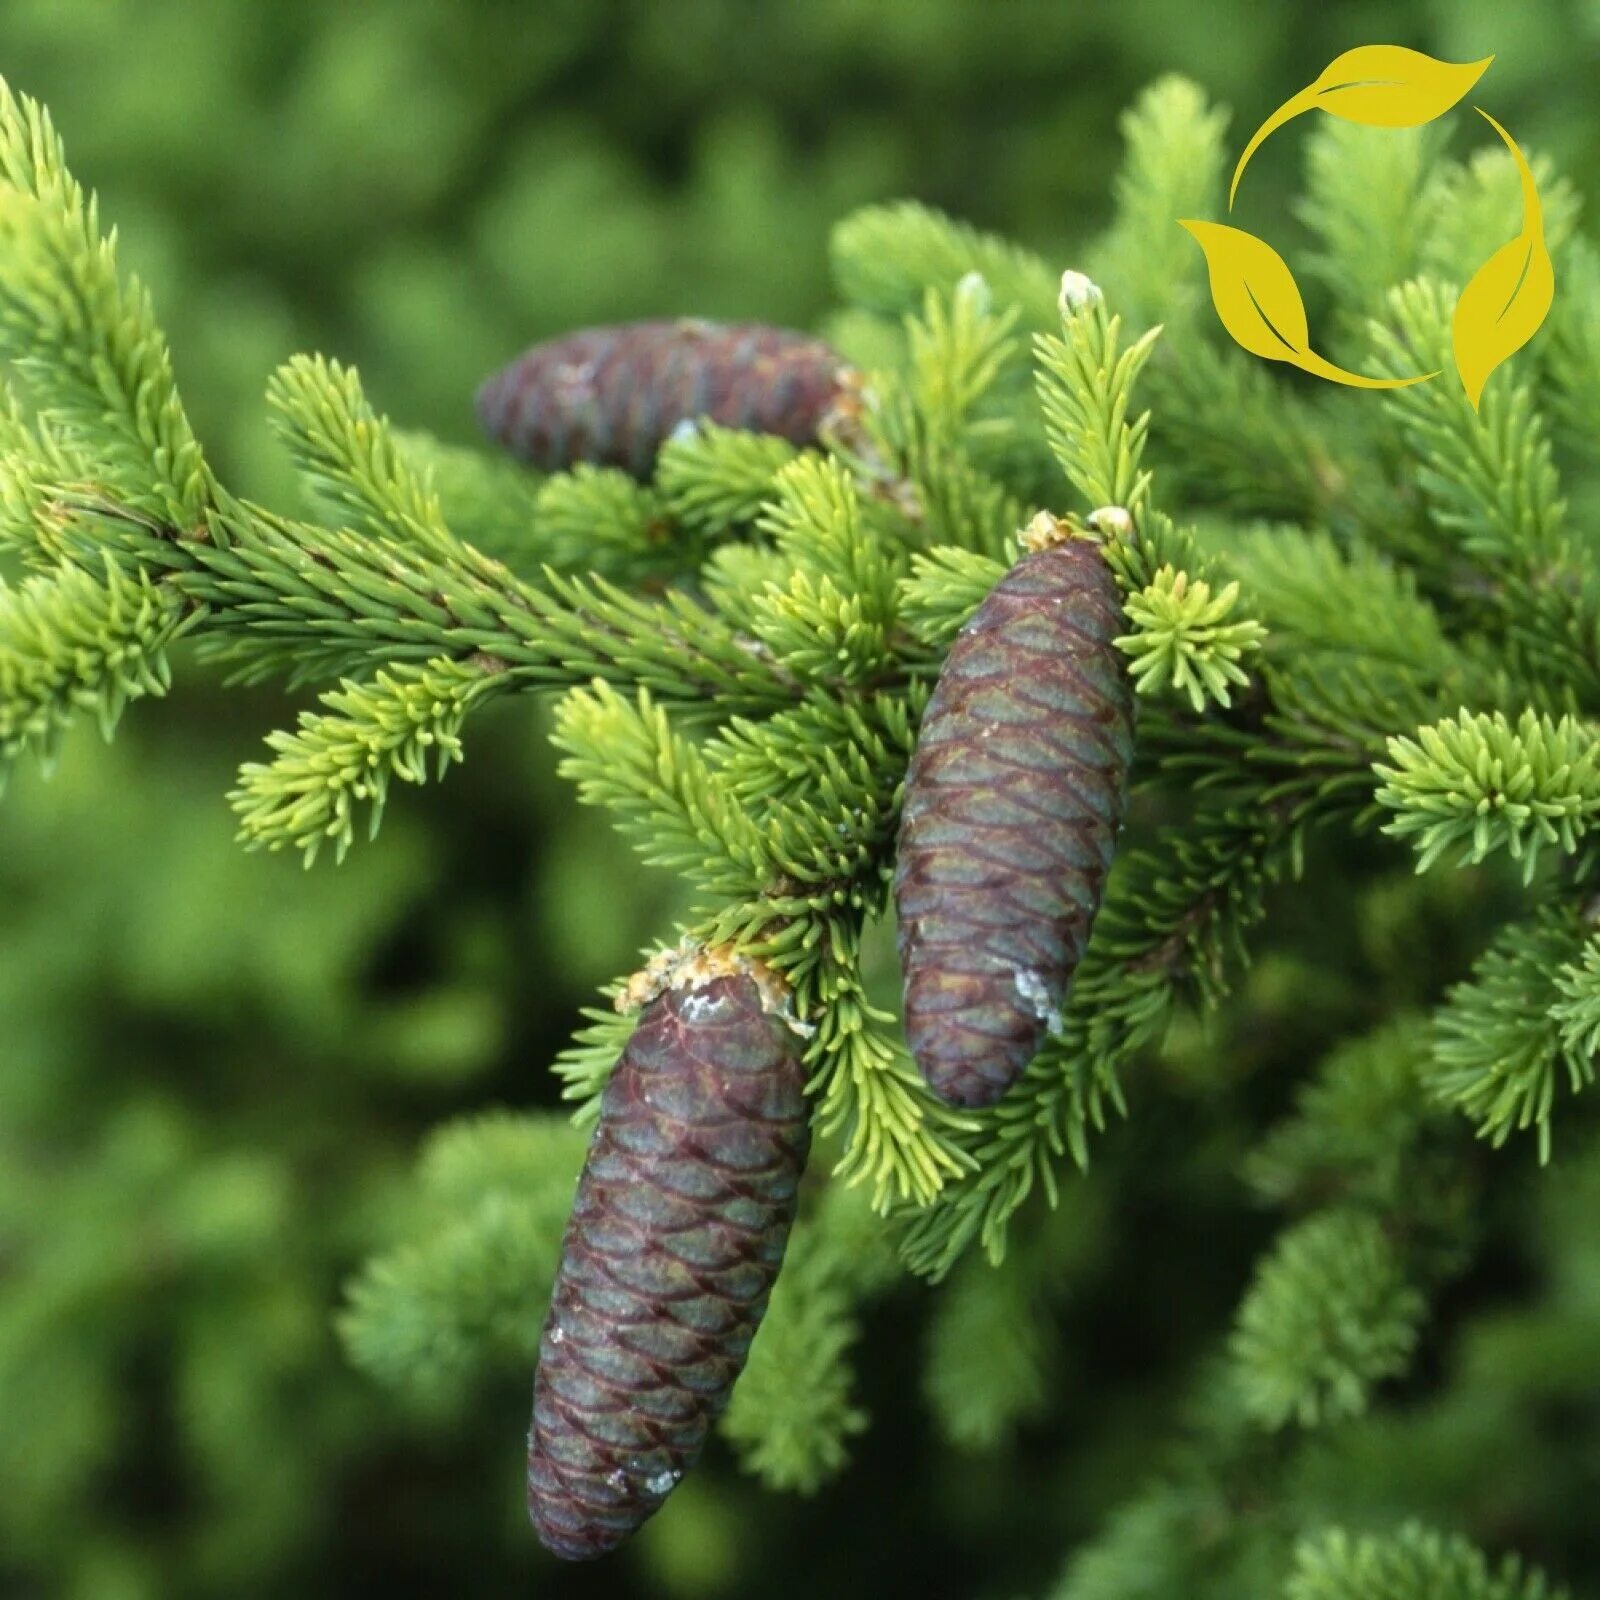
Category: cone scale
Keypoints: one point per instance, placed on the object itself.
(1012, 804)
(612, 396)
(677, 1231)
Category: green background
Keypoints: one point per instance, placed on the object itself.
(215, 1068)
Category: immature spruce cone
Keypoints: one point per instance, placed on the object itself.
(1012, 804)
(677, 1232)
(613, 395)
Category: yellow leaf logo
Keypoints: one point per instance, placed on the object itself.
(1259, 303)
(1509, 295)
(1257, 299)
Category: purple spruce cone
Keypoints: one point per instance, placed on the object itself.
(676, 1235)
(1012, 804)
(612, 396)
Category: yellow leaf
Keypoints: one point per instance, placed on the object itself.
(1254, 292)
(1260, 306)
(1380, 85)
(1509, 296)
(1388, 86)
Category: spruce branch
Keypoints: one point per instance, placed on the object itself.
(947, 584)
(886, 258)
(1573, 349)
(792, 1413)
(1172, 167)
(958, 349)
(1480, 784)
(1085, 383)
(85, 342)
(347, 456)
(673, 647)
(1361, 202)
(1488, 475)
(1577, 1012)
(896, 1138)
(959, 503)
(819, 520)
(1463, 203)
(70, 644)
(1490, 483)
(1148, 1548)
(337, 761)
(585, 1062)
(624, 755)
(428, 1317)
(1328, 1315)
(1232, 435)
(835, 616)
(986, 1369)
(1183, 640)
(715, 480)
(1339, 599)
(35, 458)
(598, 519)
(1412, 1563)
(839, 752)
(1353, 1124)
(1229, 432)
(1502, 1046)
(289, 597)
(734, 579)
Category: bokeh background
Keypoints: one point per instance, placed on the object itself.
(215, 1068)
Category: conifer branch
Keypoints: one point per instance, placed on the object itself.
(886, 258)
(376, 731)
(348, 457)
(947, 584)
(598, 519)
(1502, 1046)
(716, 480)
(625, 756)
(1328, 1315)
(1480, 784)
(1573, 355)
(1183, 640)
(429, 1317)
(1413, 1563)
(70, 645)
(1085, 387)
(87, 343)
(1361, 202)
(1172, 167)
(987, 1353)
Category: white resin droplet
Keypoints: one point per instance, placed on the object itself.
(1035, 993)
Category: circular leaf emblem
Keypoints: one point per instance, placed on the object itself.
(1255, 293)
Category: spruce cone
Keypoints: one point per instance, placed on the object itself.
(1012, 804)
(612, 396)
(676, 1235)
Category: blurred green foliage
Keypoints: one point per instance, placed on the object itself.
(216, 1069)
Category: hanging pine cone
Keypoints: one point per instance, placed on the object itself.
(1012, 804)
(676, 1234)
(611, 396)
